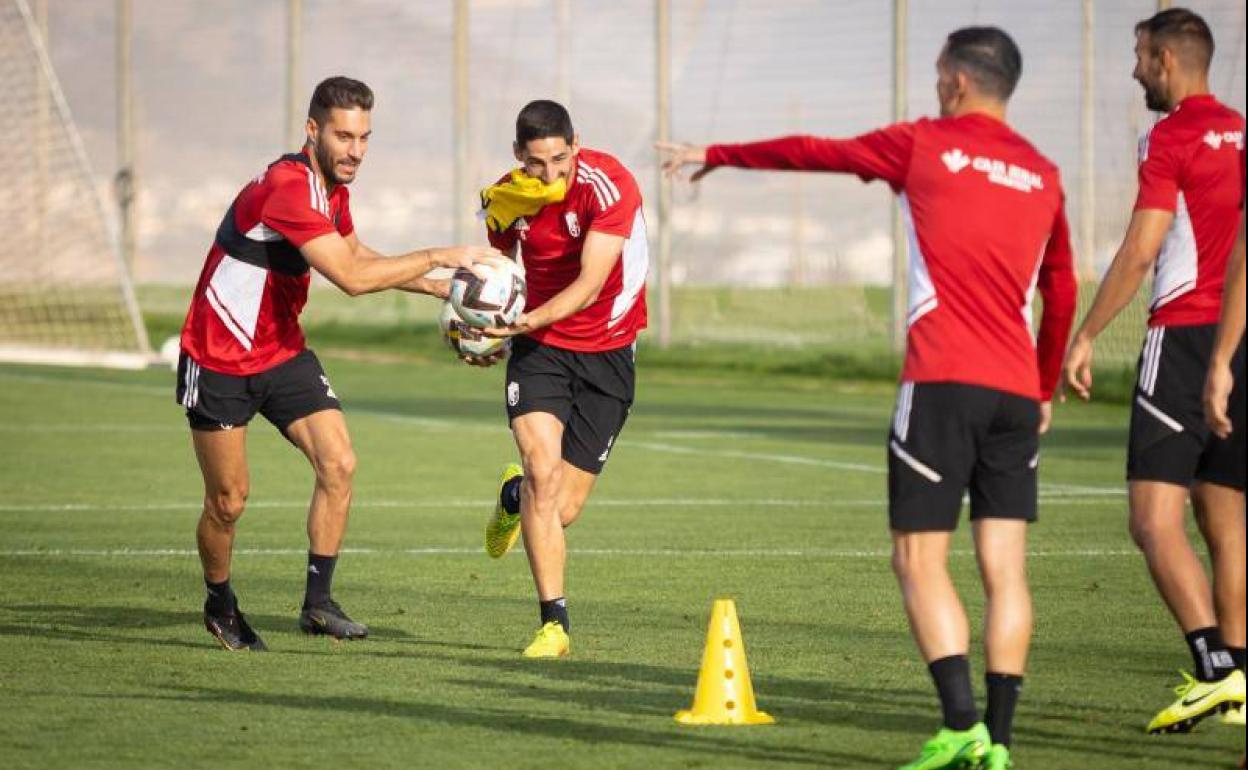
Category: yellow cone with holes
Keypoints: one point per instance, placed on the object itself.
(725, 695)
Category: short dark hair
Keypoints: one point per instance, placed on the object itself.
(338, 92)
(1184, 32)
(988, 56)
(542, 119)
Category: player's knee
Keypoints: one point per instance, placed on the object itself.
(226, 506)
(1148, 531)
(337, 470)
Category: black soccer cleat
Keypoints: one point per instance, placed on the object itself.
(233, 631)
(329, 619)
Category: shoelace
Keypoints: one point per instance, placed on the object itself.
(1189, 682)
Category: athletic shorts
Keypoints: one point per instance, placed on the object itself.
(590, 393)
(283, 394)
(1169, 440)
(949, 439)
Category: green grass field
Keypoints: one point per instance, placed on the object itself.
(766, 489)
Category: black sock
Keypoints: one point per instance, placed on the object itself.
(1003, 691)
(953, 683)
(510, 495)
(1212, 660)
(220, 597)
(1237, 656)
(555, 609)
(320, 577)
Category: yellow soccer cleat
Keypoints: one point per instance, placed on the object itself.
(551, 642)
(1198, 700)
(1234, 716)
(503, 528)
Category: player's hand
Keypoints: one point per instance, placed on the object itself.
(468, 257)
(675, 156)
(437, 287)
(1046, 417)
(1077, 368)
(485, 361)
(521, 326)
(1218, 387)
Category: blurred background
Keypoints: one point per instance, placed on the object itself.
(141, 119)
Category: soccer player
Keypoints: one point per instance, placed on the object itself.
(574, 217)
(986, 222)
(243, 351)
(1183, 228)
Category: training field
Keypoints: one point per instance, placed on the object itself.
(723, 485)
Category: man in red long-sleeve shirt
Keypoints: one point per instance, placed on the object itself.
(984, 212)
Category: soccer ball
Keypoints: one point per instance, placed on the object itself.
(467, 340)
(496, 300)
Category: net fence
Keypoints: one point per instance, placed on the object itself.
(776, 259)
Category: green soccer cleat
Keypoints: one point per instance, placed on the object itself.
(503, 528)
(551, 642)
(954, 750)
(1198, 700)
(997, 758)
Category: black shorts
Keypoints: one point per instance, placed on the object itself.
(1169, 439)
(283, 394)
(949, 438)
(590, 393)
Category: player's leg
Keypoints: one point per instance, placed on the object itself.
(300, 402)
(539, 437)
(218, 408)
(1220, 514)
(574, 493)
(1003, 493)
(1168, 438)
(930, 457)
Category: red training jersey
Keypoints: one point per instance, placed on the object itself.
(1191, 163)
(244, 315)
(985, 218)
(603, 197)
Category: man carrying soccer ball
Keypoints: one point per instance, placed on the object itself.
(573, 216)
(243, 351)
(984, 213)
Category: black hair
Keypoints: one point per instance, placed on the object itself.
(988, 56)
(341, 93)
(1184, 32)
(542, 119)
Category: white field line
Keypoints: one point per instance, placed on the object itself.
(461, 425)
(781, 553)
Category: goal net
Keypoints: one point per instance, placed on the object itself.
(65, 293)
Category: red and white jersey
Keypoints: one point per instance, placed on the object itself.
(244, 315)
(602, 196)
(1191, 163)
(985, 218)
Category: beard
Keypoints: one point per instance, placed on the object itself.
(326, 163)
(1154, 99)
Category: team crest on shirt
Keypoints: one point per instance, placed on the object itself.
(574, 226)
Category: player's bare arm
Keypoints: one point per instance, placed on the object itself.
(434, 287)
(356, 272)
(1219, 382)
(599, 254)
(1130, 267)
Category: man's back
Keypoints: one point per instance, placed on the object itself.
(986, 225)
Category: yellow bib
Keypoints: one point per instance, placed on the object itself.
(522, 196)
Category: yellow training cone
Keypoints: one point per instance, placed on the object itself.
(725, 695)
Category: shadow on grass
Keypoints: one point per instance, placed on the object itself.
(758, 748)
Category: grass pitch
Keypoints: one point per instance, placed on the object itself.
(767, 490)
